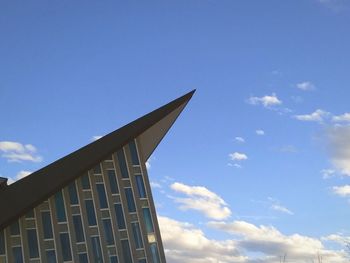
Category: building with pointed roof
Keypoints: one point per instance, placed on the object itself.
(93, 205)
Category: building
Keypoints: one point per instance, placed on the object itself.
(93, 205)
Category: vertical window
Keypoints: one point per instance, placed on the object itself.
(142, 261)
(148, 220)
(137, 234)
(2, 243)
(60, 211)
(51, 256)
(17, 255)
(113, 181)
(14, 229)
(73, 195)
(32, 243)
(120, 216)
(113, 259)
(96, 248)
(107, 226)
(140, 186)
(133, 152)
(78, 228)
(130, 200)
(85, 182)
(97, 169)
(83, 258)
(66, 247)
(90, 210)
(122, 164)
(102, 195)
(30, 214)
(126, 251)
(154, 252)
(47, 226)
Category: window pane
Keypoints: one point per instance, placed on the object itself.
(51, 256)
(113, 259)
(60, 211)
(133, 152)
(66, 248)
(14, 229)
(96, 249)
(142, 261)
(30, 214)
(2, 243)
(140, 186)
(126, 251)
(107, 226)
(97, 169)
(120, 216)
(122, 163)
(32, 243)
(148, 220)
(73, 195)
(137, 235)
(130, 200)
(17, 255)
(113, 182)
(90, 210)
(102, 195)
(83, 258)
(154, 252)
(47, 226)
(85, 182)
(78, 227)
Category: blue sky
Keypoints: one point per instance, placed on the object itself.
(257, 165)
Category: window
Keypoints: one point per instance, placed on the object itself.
(107, 226)
(113, 181)
(126, 251)
(73, 195)
(83, 258)
(140, 186)
(14, 229)
(47, 226)
(90, 210)
(32, 243)
(154, 252)
(133, 152)
(113, 259)
(137, 234)
(66, 248)
(102, 195)
(17, 255)
(130, 200)
(148, 220)
(122, 164)
(30, 214)
(120, 216)
(50, 256)
(142, 261)
(78, 228)
(96, 249)
(60, 211)
(85, 182)
(97, 169)
(2, 243)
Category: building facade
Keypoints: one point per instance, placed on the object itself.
(94, 205)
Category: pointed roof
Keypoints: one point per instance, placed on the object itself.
(25, 194)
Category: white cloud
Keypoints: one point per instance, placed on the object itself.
(342, 118)
(317, 116)
(280, 208)
(236, 156)
(22, 174)
(327, 173)
(343, 191)
(240, 139)
(306, 85)
(260, 132)
(155, 184)
(96, 137)
(201, 199)
(266, 101)
(17, 152)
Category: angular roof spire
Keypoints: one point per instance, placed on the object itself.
(25, 194)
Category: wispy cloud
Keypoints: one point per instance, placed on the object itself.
(317, 116)
(306, 86)
(342, 118)
(201, 199)
(343, 191)
(239, 139)
(17, 152)
(327, 173)
(260, 132)
(236, 156)
(281, 208)
(266, 101)
(96, 137)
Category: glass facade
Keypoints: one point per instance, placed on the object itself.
(140, 186)
(130, 200)
(14, 229)
(47, 226)
(90, 211)
(78, 228)
(32, 243)
(96, 249)
(66, 247)
(112, 182)
(133, 153)
(73, 195)
(137, 235)
(51, 256)
(122, 164)
(102, 195)
(108, 231)
(17, 255)
(120, 216)
(59, 204)
(148, 220)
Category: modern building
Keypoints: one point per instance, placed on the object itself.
(94, 205)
